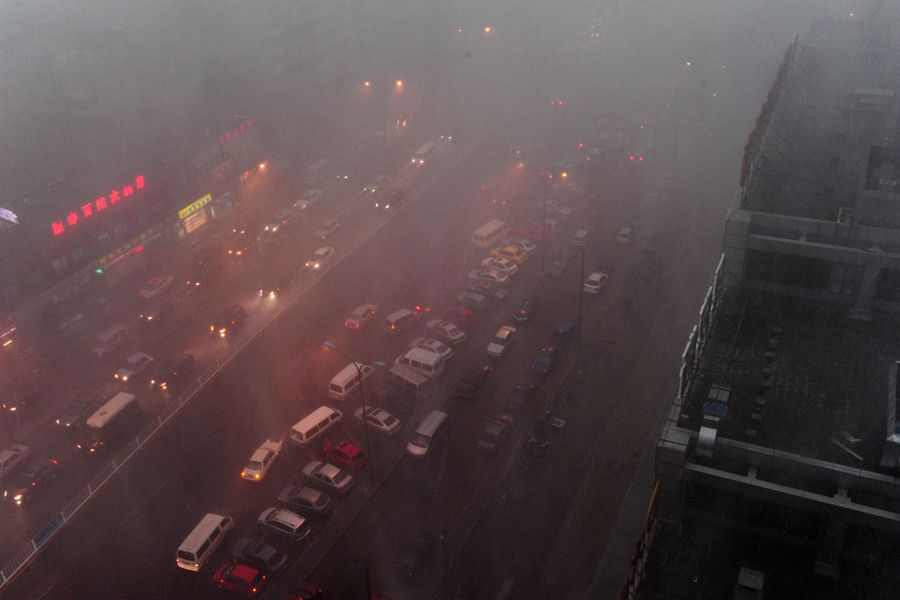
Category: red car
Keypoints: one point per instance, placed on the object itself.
(239, 578)
(344, 454)
(462, 316)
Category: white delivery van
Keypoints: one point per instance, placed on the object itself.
(202, 541)
(108, 341)
(314, 424)
(347, 380)
(426, 433)
(490, 234)
(422, 361)
(400, 320)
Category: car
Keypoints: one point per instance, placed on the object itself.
(23, 394)
(433, 345)
(279, 222)
(491, 275)
(259, 555)
(426, 302)
(524, 305)
(135, 365)
(446, 331)
(308, 591)
(360, 316)
(393, 198)
(412, 554)
(344, 454)
(12, 457)
(472, 382)
(493, 435)
(174, 374)
(273, 283)
(326, 228)
(37, 475)
(546, 359)
(240, 579)
(461, 315)
(376, 185)
(595, 282)
(158, 311)
(238, 243)
(520, 397)
(487, 288)
(154, 286)
(283, 522)
(558, 265)
(473, 300)
(309, 199)
(510, 252)
(524, 243)
(625, 235)
(557, 211)
(501, 341)
(305, 499)
(563, 332)
(262, 460)
(504, 265)
(76, 412)
(328, 476)
(229, 322)
(320, 259)
(380, 420)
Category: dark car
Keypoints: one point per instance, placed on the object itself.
(173, 375)
(307, 591)
(305, 500)
(493, 435)
(472, 382)
(23, 395)
(204, 268)
(563, 332)
(546, 360)
(556, 266)
(36, 476)
(229, 322)
(272, 284)
(391, 200)
(412, 554)
(521, 396)
(463, 316)
(239, 243)
(259, 555)
(75, 413)
(524, 305)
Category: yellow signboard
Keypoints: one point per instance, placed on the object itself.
(194, 206)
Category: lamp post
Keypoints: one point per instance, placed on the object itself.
(362, 397)
(545, 176)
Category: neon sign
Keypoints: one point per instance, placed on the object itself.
(235, 132)
(88, 210)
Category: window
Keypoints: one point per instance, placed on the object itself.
(788, 270)
(845, 278)
(889, 285)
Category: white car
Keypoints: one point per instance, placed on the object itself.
(526, 245)
(308, 199)
(446, 330)
(261, 460)
(135, 364)
(326, 475)
(377, 184)
(320, 259)
(492, 275)
(380, 420)
(360, 316)
(433, 345)
(154, 286)
(595, 282)
(501, 341)
(504, 265)
(326, 229)
(12, 457)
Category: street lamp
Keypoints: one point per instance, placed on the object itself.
(362, 397)
(545, 176)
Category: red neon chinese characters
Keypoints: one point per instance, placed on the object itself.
(126, 191)
(139, 182)
(72, 219)
(87, 209)
(100, 203)
(57, 227)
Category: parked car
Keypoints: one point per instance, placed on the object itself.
(446, 331)
(240, 579)
(524, 305)
(306, 590)
(473, 300)
(360, 316)
(490, 275)
(320, 259)
(487, 288)
(229, 322)
(472, 382)
(595, 282)
(12, 457)
(557, 265)
(523, 243)
(285, 523)
(461, 315)
(328, 476)
(433, 345)
(511, 252)
(155, 286)
(305, 499)
(36, 476)
(504, 265)
(326, 228)
(135, 365)
(259, 555)
(262, 460)
(344, 454)
(493, 435)
(501, 341)
(546, 359)
(380, 420)
(520, 397)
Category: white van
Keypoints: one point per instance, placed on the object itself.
(400, 320)
(625, 236)
(490, 234)
(424, 151)
(108, 341)
(581, 237)
(347, 380)
(314, 172)
(422, 361)
(202, 541)
(314, 424)
(426, 433)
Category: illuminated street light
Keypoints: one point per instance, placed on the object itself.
(399, 83)
(488, 29)
(367, 84)
(262, 166)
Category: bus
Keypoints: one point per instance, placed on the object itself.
(490, 234)
(113, 421)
